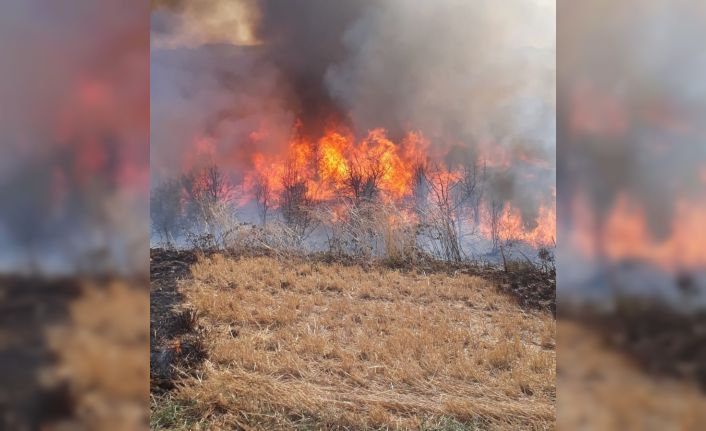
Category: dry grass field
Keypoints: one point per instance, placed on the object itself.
(295, 344)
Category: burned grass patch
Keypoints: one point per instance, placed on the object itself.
(175, 344)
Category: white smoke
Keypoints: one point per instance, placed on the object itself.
(475, 74)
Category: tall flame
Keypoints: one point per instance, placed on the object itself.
(337, 164)
(329, 164)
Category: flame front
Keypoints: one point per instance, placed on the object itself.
(511, 227)
(329, 164)
(338, 166)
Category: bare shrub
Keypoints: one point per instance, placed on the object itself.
(342, 233)
(495, 210)
(222, 221)
(399, 230)
(453, 197)
(209, 215)
(263, 198)
(207, 194)
(277, 237)
(295, 204)
(196, 206)
(363, 180)
(546, 260)
(280, 238)
(421, 189)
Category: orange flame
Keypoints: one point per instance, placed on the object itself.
(340, 165)
(511, 227)
(329, 165)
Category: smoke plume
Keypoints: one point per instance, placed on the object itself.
(475, 76)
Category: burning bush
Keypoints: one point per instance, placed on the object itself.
(371, 198)
(295, 204)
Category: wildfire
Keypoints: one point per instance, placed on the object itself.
(338, 167)
(338, 164)
(543, 234)
(509, 226)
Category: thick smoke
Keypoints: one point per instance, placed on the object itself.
(205, 104)
(478, 75)
(304, 40)
(469, 75)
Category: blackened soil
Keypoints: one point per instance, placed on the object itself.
(174, 340)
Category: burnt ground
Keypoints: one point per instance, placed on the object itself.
(28, 306)
(531, 287)
(174, 341)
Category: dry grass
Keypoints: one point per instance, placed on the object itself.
(323, 346)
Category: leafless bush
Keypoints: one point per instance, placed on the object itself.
(207, 192)
(275, 237)
(453, 197)
(439, 220)
(263, 198)
(363, 180)
(295, 204)
(546, 260)
(280, 238)
(341, 238)
(222, 222)
(358, 226)
(421, 189)
(495, 210)
(399, 233)
(197, 206)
